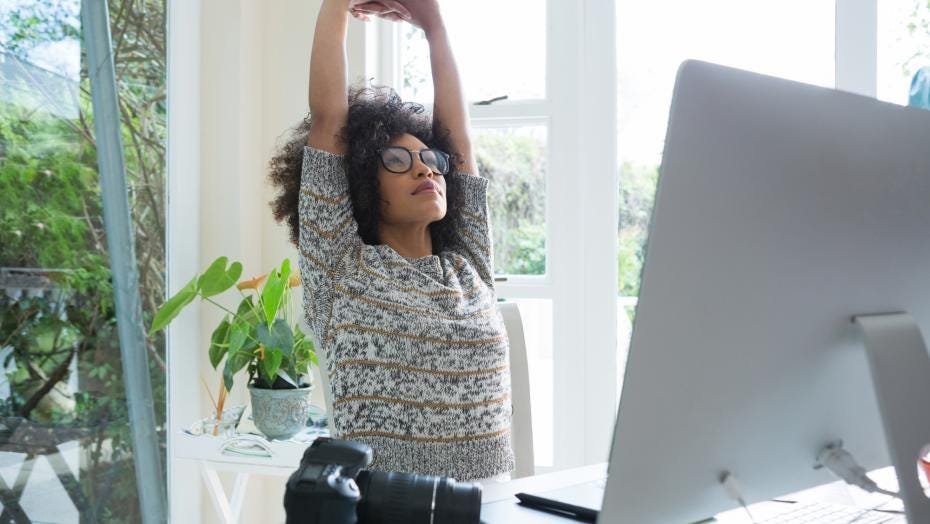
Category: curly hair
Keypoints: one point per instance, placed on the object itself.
(376, 116)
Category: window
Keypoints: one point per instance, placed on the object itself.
(514, 160)
(66, 452)
(795, 41)
(488, 68)
(512, 154)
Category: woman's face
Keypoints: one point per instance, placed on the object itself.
(415, 196)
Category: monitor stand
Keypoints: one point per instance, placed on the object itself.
(900, 368)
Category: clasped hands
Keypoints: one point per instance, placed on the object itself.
(421, 13)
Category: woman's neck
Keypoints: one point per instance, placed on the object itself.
(409, 240)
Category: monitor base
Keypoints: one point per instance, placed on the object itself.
(900, 367)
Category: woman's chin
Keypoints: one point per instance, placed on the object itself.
(434, 212)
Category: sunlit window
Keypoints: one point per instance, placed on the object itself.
(790, 39)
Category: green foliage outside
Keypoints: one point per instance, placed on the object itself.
(515, 164)
(637, 193)
(51, 224)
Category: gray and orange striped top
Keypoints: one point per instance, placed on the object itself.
(416, 348)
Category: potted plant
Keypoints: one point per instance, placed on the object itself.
(260, 336)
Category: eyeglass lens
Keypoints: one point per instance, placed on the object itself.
(399, 159)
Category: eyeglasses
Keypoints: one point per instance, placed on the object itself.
(399, 160)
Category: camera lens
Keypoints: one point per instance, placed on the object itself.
(457, 503)
(401, 498)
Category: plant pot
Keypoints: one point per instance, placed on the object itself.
(280, 413)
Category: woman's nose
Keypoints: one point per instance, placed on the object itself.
(420, 169)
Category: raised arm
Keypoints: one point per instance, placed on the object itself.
(449, 106)
(328, 78)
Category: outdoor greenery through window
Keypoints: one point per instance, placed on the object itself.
(65, 445)
(514, 161)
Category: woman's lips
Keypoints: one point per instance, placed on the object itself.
(427, 187)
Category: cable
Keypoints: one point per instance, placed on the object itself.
(735, 492)
(842, 464)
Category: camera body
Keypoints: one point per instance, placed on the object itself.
(323, 488)
(331, 487)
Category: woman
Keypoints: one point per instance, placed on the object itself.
(391, 221)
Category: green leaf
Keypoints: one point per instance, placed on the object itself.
(278, 337)
(219, 342)
(227, 377)
(245, 306)
(217, 278)
(274, 290)
(238, 334)
(271, 363)
(246, 311)
(170, 309)
(235, 361)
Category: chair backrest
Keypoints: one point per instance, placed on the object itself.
(324, 382)
(522, 429)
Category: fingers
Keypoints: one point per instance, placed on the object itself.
(372, 8)
(360, 16)
(397, 7)
(383, 8)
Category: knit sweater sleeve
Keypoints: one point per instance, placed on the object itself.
(328, 231)
(472, 237)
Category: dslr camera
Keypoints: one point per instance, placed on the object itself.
(331, 487)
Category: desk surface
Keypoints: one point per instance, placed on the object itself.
(500, 507)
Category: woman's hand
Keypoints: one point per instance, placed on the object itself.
(424, 14)
(388, 9)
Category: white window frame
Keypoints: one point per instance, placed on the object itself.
(182, 241)
(857, 46)
(581, 212)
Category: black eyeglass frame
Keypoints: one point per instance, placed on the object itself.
(410, 153)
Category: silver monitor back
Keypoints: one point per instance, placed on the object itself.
(782, 210)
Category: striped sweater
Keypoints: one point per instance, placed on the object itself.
(416, 349)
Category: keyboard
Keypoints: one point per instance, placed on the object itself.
(824, 513)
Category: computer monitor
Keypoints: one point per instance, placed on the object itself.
(783, 210)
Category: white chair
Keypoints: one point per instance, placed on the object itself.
(522, 429)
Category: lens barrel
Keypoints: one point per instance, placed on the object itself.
(401, 498)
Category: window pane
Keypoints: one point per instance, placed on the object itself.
(514, 160)
(488, 68)
(796, 41)
(63, 411)
(537, 331)
(903, 46)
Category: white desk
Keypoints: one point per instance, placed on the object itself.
(205, 452)
(500, 507)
